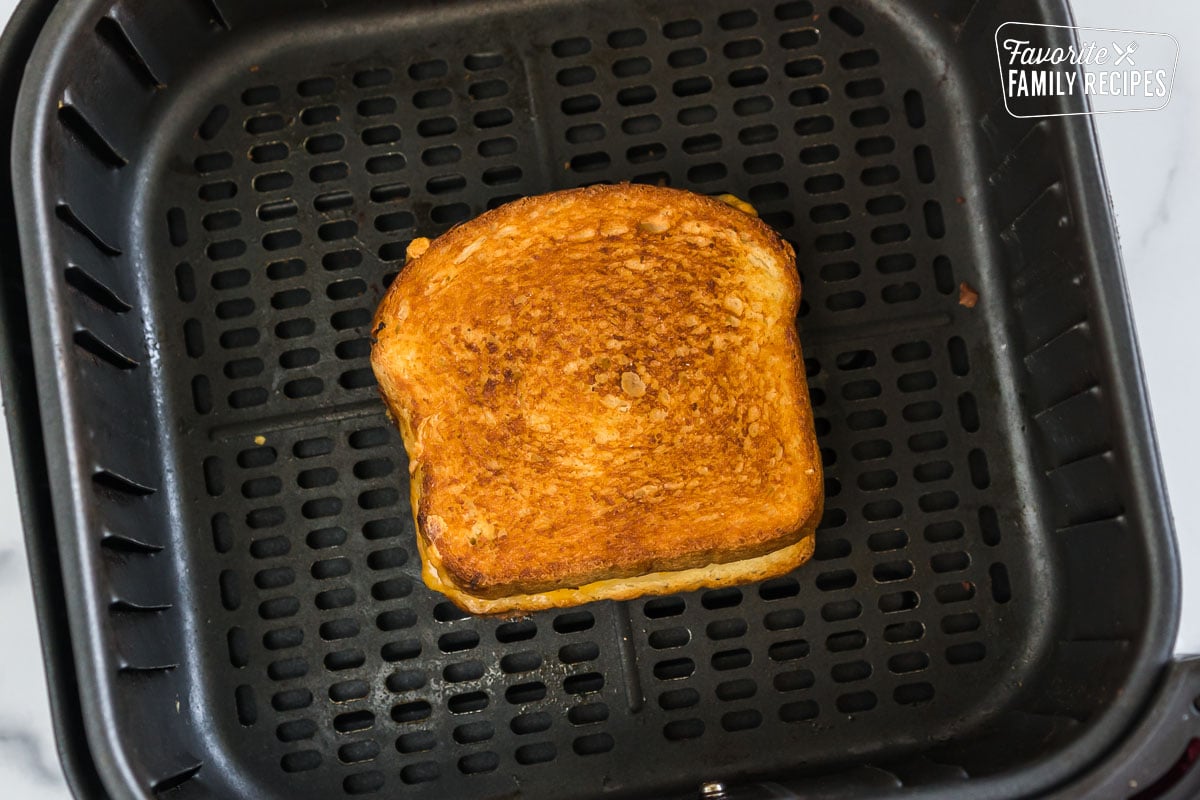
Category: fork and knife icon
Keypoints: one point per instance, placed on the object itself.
(1124, 53)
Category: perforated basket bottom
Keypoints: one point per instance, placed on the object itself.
(282, 210)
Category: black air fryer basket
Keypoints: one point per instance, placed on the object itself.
(210, 198)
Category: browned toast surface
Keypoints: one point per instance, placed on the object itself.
(602, 394)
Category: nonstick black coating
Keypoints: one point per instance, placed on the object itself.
(219, 210)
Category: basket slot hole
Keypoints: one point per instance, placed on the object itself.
(214, 122)
(213, 162)
(856, 702)
(800, 711)
(965, 653)
(731, 659)
(754, 135)
(498, 117)
(845, 641)
(534, 722)
(911, 631)
(594, 744)
(403, 650)
(417, 742)
(524, 661)
(361, 782)
(721, 598)
(789, 650)
(899, 601)
(586, 683)
(302, 761)
(337, 629)
(272, 546)
(955, 592)
(877, 480)
(803, 67)
(859, 59)
(403, 618)
(726, 629)
(1001, 586)
(944, 531)
(353, 721)
(457, 641)
(989, 526)
(885, 541)
(325, 143)
(578, 652)
(473, 733)
(927, 442)
(850, 671)
(574, 622)
(511, 632)
(960, 623)
(798, 39)
(923, 160)
(674, 669)
(588, 714)
(538, 753)
(916, 381)
(405, 681)
(369, 78)
(779, 589)
(683, 729)
(828, 549)
(669, 638)
(829, 212)
(871, 450)
(283, 638)
(698, 115)
(794, 680)
(569, 48)
(935, 223)
(784, 619)
(943, 273)
(411, 712)
(849, 23)
(424, 772)
(841, 610)
(749, 76)
(676, 699)
(338, 170)
(575, 76)
(836, 580)
(870, 117)
(331, 599)
(525, 693)
(968, 412)
(428, 70)
(287, 669)
(949, 562)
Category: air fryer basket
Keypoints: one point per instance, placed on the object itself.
(213, 196)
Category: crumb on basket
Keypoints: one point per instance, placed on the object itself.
(967, 296)
(260, 440)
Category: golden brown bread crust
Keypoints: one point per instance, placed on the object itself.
(602, 395)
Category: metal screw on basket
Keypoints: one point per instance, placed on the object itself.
(713, 790)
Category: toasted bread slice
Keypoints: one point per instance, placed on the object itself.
(602, 395)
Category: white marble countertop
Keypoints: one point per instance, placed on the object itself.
(1153, 170)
